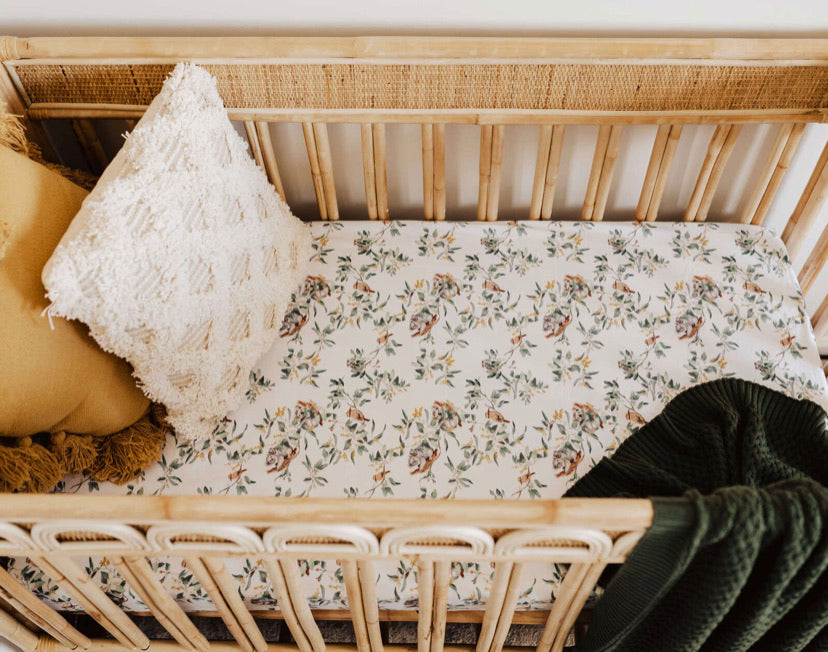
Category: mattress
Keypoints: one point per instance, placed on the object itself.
(473, 360)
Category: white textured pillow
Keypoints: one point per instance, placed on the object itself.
(183, 258)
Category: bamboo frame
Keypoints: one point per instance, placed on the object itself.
(755, 59)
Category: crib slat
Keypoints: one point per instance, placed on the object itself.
(552, 169)
(148, 597)
(277, 581)
(442, 578)
(323, 150)
(569, 587)
(144, 580)
(425, 604)
(808, 207)
(650, 177)
(577, 604)
(541, 163)
(90, 143)
(380, 171)
(38, 612)
(607, 170)
(368, 172)
(269, 157)
(224, 581)
(439, 171)
(17, 633)
(368, 585)
(713, 149)
(820, 323)
(494, 604)
(428, 170)
(313, 159)
(507, 612)
(205, 579)
(253, 141)
(716, 172)
(485, 171)
(74, 580)
(293, 582)
(779, 173)
(758, 189)
(814, 263)
(663, 172)
(493, 198)
(601, 145)
(355, 601)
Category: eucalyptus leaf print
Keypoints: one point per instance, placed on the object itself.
(476, 360)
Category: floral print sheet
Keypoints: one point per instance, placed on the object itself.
(474, 360)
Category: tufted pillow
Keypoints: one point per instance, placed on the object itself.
(53, 377)
(183, 258)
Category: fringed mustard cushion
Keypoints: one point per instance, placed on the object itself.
(183, 258)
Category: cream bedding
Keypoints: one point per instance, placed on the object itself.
(455, 360)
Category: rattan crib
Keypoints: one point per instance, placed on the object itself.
(374, 81)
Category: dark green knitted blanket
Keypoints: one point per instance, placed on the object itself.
(737, 554)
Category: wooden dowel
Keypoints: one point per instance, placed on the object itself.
(228, 589)
(663, 172)
(607, 170)
(146, 581)
(442, 579)
(277, 581)
(541, 163)
(508, 609)
(313, 159)
(95, 603)
(368, 585)
(494, 604)
(253, 141)
(563, 599)
(368, 170)
(425, 604)
(815, 262)
(758, 189)
(820, 323)
(808, 207)
(552, 169)
(91, 145)
(380, 170)
(485, 171)
(439, 171)
(577, 604)
(205, 580)
(652, 172)
(601, 145)
(148, 599)
(428, 170)
(779, 173)
(713, 149)
(350, 575)
(293, 581)
(493, 198)
(323, 150)
(17, 633)
(36, 620)
(269, 157)
(716, 172)
(42, 615)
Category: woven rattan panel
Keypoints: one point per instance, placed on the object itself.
(585, 87)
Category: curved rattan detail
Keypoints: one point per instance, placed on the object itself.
(72, 536)
(204, 536)
(13, 538)
(624, 544)
(436, 541)
(611, 86)
(576, 544)
(315, 538)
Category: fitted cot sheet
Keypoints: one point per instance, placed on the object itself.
(475, 360)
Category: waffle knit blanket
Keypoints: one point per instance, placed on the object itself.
(737, 554)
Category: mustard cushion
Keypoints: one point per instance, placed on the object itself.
(50, 379)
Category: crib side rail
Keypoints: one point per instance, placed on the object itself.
(54, 532)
